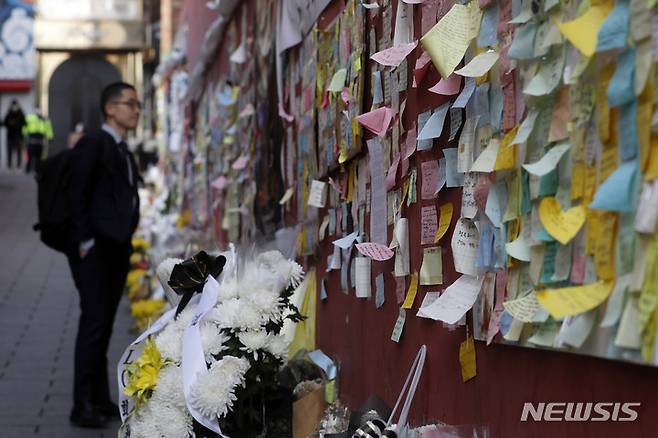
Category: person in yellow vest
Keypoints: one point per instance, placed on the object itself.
(37, 132)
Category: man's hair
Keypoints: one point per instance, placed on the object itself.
(113, 91)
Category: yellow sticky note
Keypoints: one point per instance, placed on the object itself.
(445, 217)
(602, 107)
(506, 158)
(467, 359)
(582, 31)
(578, 180)
(562, 225)
(568, 301)
(431, 271)
(330, 391)
(604, 246)
(411, 293)
(448, 40)
(351, 178)
(342, 157)
(651, 172)
(609, 161)
(649, 295)
(405, 190)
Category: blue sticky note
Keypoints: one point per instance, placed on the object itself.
(523, 45)
(548, 183)
(323, 361)
(548, 267)
(542, 235)
(489, 27)
(621, 89)
(526, 203)
(506, 321)
(379, 294)
(617, 191)
(434, 126)
(423, 118)
(485, 257)
(465, 96)
(628, 142)
(496, 107)
(500, 238)
(614, 30)
(482, 104)
(323, 291)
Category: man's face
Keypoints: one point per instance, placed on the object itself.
(124, 110)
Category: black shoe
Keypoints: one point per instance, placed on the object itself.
(87, 415)
(109, 410)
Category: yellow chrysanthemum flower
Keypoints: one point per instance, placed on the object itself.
(140, 244)
(145, 311)
(143, 373)
(184, 219)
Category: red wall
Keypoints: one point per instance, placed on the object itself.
(357, 336)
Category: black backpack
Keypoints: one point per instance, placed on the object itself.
(54, 217)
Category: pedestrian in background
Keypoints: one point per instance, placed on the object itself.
(104, 210)
(14, 122)
(37, 132)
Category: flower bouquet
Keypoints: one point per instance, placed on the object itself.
(241, 328)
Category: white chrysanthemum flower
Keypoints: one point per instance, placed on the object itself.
(170, 342)
(278, 346)
(227, 290)
(213, 393)
(212, 340)
(225, 314)
(143, 423)
(170, 387)
(171, 421)
(266, 301)
(275, 262)
(253, 341)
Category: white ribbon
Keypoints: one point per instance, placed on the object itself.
(416, 370)
(134, 350)
(194, 362)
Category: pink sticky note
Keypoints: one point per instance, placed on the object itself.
(392, 174)
(422, 65)
(429, 224)
(219, 183)
(482, 187)
(345, 95)
(494, 325)
(393, 56)
(400, 288)
(284, 115)
(375, 251)
(448, 87)
(430, 178)
(377, 121)
(578, 269)
(410, 143)
(240, 163)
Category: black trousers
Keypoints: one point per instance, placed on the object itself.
(100, 278)
(34, 151)
(14, 146)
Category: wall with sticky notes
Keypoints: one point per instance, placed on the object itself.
(498, 158)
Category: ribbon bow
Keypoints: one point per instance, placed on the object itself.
(189, 276)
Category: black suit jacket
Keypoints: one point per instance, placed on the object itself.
(102, 201)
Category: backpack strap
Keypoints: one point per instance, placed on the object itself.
(415, 372)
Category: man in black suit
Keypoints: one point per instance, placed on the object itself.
(104, 213)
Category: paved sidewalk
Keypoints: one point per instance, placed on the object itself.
(38, 322)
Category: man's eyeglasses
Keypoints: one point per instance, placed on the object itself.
(134, 104)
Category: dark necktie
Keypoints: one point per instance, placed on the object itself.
(123, 148)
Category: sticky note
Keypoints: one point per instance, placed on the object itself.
(445, 217)
(411, 292)
(464, 246)
(399, 326)
(431, 271)
(562, 225)
(582, 32)
(568, 301)
(524, 308)
(448, 40)
(467, 359)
